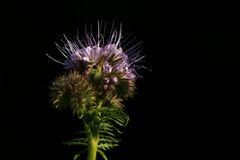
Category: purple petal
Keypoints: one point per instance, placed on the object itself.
(115, 79)
(107, 67)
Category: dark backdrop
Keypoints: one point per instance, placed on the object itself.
(187, 107)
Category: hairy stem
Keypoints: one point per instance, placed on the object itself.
(92, 148)
(92, 130)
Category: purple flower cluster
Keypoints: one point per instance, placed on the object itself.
(109, 57)
(98, 57)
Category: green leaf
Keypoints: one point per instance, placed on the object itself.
(76, 156)
(102, 154)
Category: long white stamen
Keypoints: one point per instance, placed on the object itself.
(98, 33)
(54, 59)
(61, 50)
(119, 35)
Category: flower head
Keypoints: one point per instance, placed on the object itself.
(110, 57)
(109, 69)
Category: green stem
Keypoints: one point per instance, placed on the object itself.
(92, 148)
(92, 130)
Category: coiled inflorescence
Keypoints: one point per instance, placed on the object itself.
(102, 66)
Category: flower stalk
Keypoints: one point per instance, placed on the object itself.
(92, 143)
(92, 148)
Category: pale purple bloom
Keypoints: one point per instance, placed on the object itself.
(107, 68)
(93, 51)
(129, 75)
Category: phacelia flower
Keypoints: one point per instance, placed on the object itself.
(110, 57)
(100, 74)
(109, 68)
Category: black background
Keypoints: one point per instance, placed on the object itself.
(187, 107)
